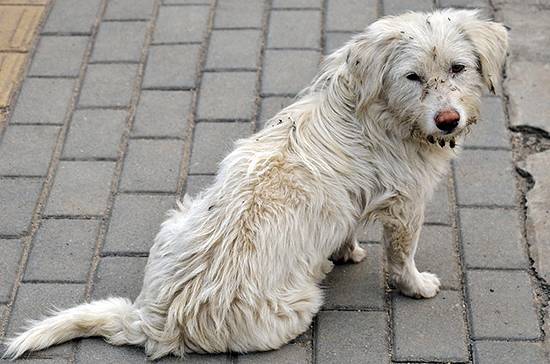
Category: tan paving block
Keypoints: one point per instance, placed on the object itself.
(23, 2)
(18, 25)
(11, 65)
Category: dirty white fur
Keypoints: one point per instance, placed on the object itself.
(238, 268)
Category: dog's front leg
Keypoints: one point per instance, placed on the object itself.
(401, 233)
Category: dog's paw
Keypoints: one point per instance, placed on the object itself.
(357, 255)
(423, 285)
(350, 254)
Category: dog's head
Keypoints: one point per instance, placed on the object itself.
(428, 69)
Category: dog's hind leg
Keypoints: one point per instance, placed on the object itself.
(349, 252)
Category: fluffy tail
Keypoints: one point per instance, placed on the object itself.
(116, 319)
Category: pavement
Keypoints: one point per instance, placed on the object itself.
(113, 109)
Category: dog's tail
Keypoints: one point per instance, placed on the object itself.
(116, 319)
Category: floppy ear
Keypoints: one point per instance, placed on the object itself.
(490, 40)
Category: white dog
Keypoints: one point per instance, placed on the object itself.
(238, 268)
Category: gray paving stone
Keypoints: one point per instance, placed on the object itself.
(484, 177)
(171, 66)
(108, 85)
(119, 277)
(34, 104)
(62, 250)
(119, 41)
(18, 197)
(396, 7)
(186, 2)
(527, 86)
(9, 264)
(176, 24)
(227, 96)
(352, 15)
(270, 107)
(503, 352)
(152, 165)
(162, 114)
(438, 209)
(288, 354)
(95, 133)
(129, 235)
(129, 9)
(233, 49)
(491, 238)
(197, 183)
(352, 337)
(464, 3)
(430, 330)
(490, 131)
(66, 197)
(316, 4)
(501, 305)
(58, 56)
(437, 254)
(56, 360)
(288, 71)
(285, 25)
(72, 16)
(239, 13)
(357, 286)
(212, 142)
(197, 359)
(26, 149)
(335, 40)
(96, 350)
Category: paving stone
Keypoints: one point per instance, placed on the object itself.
(538, 212)
(527, 86)
(95, 133)
(227, 96)
(18, 197)
(197, 183)
(108, 85)
(503, 352)
(501, 305)
(171, 66)
(162, 114)
(62, 251)
(212, 142)
(9, 264)
(357, 286)
(72, 16)
(490, 131)
(19, 24)
(288, 354)
(270, 107)
(464, 3)
(239, 13)
(335, 40)
(186, 2)
(352, 337)
(34, 104)
(297, 4)
(129, 235)
(484, 177)
(152, 165)
(119, 277)
(431, 329)
(96, 350)
(119, 41)
(56, 360)
(58, 56)
(529, 27)
(66, 197)
(437, 254)
(396, 7)
(12, 66)
(438, 210)
(176, 24)
(352, 15)
(288, 71)
(491, 238)
(197, 359)
(229, 49)
(129, 9)
(285, 25)
(26, 149)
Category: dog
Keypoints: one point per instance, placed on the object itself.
(238, 268)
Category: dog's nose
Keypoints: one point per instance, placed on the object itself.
(447, 120)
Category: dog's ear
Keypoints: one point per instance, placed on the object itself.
(490, 40)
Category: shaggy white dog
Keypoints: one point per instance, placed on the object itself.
(238, 268)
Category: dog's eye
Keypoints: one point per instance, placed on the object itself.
(457, 68)
(413, 77)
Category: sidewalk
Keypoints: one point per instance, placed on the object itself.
(128, 104)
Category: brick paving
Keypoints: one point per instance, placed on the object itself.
(114, 87)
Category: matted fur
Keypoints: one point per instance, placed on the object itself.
(238, 268)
